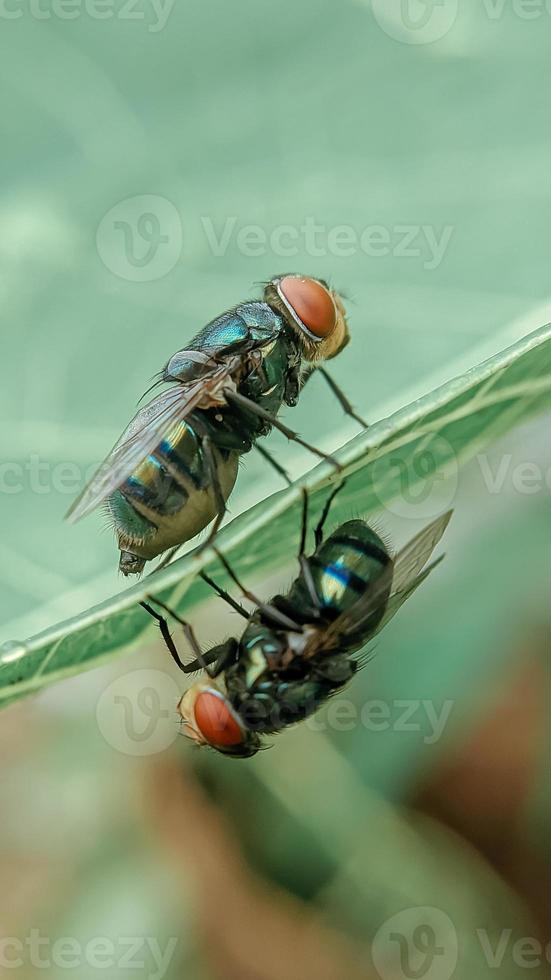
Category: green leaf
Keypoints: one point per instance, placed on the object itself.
(446, 427)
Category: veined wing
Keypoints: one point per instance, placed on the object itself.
(143, 435)
(398, 598)
(392, 587)
(409, 570)
(414, 556)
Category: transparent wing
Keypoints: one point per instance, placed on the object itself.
(414, 556)
(398, 598)
(400, 578)
(142, 436)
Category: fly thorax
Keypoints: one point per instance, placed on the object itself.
(293, 381)
(262, 649)
(256, 665)
(268, 365)
(268, 380)
(189, 365)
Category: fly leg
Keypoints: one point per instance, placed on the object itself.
(219, 498)
(318, 533)
(304, 564)
(201, 660)
(225, 595)
(266, 608)
(343, 401)
(221, 656)
(273, 462)
(238, 399)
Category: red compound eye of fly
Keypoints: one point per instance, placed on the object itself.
(215, 720)
(311, 302)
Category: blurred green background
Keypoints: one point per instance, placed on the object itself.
(156, 163)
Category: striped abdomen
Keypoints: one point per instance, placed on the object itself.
(342, 569)
(168, 498)
(346, 564)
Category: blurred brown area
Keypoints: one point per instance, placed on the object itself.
(484, 789)
(249, 929)
(246, 927)
(481, 791)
